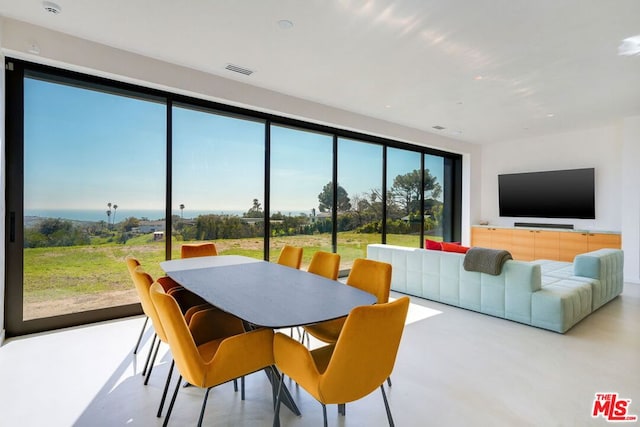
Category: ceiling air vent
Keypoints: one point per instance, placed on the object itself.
(439, 127)
(238, 69)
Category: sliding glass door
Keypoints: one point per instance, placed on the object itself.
(360, 199)
(218, 181)
(93, 168)
(301, 191)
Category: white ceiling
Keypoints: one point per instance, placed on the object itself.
(486, 70)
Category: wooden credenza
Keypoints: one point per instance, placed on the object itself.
(527, 244)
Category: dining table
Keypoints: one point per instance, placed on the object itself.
(266, 294)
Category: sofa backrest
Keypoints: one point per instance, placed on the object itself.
(440, 276)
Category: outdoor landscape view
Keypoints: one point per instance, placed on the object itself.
(94, 192)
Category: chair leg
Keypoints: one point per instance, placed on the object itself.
(242, 388)
(276, 403)
(153, 360)
(204, 403)
(386, 405)
(324, 414)
(173, 400)
(389, 381)
(342, 409)
(144, 326)
(166, 388)
(146, 364)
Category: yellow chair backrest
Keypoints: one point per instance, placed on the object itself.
(236, 352)
(132, 264)
(371, 276)
(192, 250)
(365, 353)
(183, 347)
(291, 256)
(325, 264)
(143, 282)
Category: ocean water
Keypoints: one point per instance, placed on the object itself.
(95, 215)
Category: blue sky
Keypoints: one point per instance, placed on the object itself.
(85, 148)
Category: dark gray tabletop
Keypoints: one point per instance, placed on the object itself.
(264, 293)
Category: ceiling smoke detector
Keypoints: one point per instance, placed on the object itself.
(438, 127)
(51, 7)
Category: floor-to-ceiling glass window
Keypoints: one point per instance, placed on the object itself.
(301, 165)
(434, 207)
(360, 201)
(403, 197)
(218, 181)
(94, 167)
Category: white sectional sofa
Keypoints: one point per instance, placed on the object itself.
(547, 294)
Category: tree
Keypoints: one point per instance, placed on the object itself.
(181, 211)
(130, 223)
(326, 199)
(115, 207)
(255, 211)
(406, 189)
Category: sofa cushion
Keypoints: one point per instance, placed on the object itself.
(560, 305)
(432, 245)
(454, 247)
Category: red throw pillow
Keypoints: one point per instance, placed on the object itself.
(452, 247)
(432, 245)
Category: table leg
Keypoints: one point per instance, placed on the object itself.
(285, 396)
(274, 379)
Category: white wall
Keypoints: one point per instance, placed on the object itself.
(64, 51)
(612, 150)
(631, 197)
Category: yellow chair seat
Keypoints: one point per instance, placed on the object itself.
(326, 331)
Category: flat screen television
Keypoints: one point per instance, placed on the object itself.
(548, 194)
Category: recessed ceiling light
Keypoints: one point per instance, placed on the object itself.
(387, 106)
(550, 115)
(478, 78)
(285, 24)
(51, 7)
(630, 46)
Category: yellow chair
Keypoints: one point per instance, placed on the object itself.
(186, 298)
(325, 264)
(132, 264)
(192, 250)
(224, 355)
(143, 283)
(367, 275)
(357, 364)
(291, 256)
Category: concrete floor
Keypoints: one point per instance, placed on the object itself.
(454, 368)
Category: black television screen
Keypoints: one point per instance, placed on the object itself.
(549, 194)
